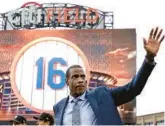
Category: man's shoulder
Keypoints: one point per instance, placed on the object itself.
(62, 101)
(98, 89)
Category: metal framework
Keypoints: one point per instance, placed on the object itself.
(105, 18)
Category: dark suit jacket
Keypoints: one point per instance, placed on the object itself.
(104, 101)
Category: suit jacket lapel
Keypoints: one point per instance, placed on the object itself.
(62, 108)
(93, 102)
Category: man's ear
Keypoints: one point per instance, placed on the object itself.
(48, 123)
(66, 81)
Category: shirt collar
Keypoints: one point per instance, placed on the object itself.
(81, 97)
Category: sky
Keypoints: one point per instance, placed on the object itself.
(139, 14)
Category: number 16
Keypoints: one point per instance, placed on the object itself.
(51, 73)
